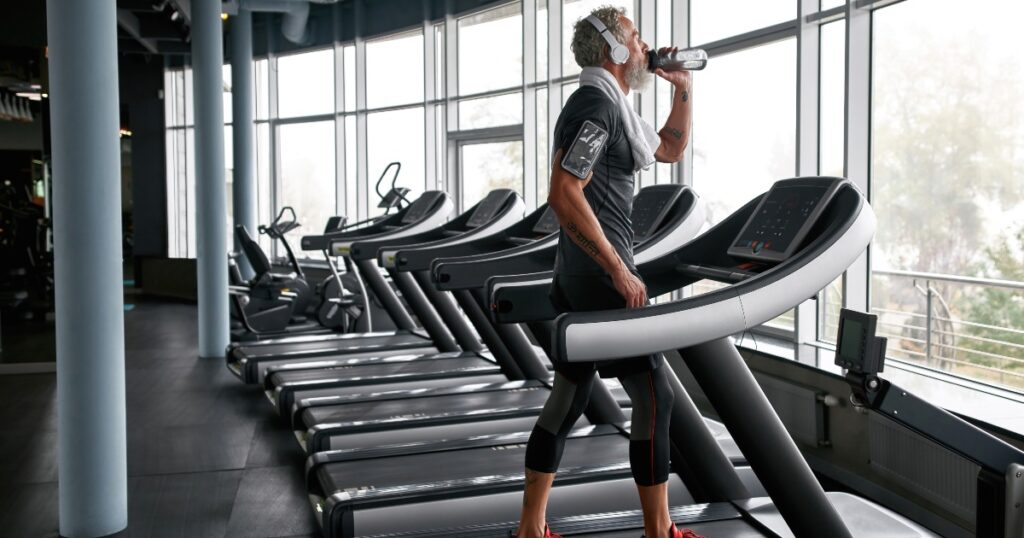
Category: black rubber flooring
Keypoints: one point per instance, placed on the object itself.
(206, 455)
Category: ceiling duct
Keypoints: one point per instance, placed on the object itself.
(295, 25)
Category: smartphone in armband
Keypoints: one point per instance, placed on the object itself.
(585, 149)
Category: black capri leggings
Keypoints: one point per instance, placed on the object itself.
(652, 397)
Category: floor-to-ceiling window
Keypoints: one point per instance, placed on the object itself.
(948, 185)
(467, 104)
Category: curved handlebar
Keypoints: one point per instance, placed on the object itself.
(277, 227)
(394, 179)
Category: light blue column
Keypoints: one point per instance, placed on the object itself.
(211, 191)
(244, 183)
(84, 121)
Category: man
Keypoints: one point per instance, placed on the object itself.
(600, 143)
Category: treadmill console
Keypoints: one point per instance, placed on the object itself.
(393, 198)
(547, 224)
(858, 349)
(650, 206)
(487, 208)
(419, 209)
(783, 218)
(335, 224)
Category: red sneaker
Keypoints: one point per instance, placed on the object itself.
(547, 533)
(684, 533)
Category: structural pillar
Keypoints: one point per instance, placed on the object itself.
(211, 192)
(244, 182)
(84, 122)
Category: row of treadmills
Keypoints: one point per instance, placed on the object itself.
(421, 431)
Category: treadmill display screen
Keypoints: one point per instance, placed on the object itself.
(419, 209)
(650, 207)
(547, 223)
(858, 349)
(487, 209)
(783, 218)
(852, 346)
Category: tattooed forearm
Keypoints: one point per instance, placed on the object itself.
(583, 241)
(675, 132)
(685, 96)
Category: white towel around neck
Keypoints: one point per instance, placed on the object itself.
(643, 139)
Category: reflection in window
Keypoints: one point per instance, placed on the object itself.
(394, 70)
(396, 135)
(948, 184)
(485, 167)
(740, 145)
(491, 111)
(307, 175)
(574, 10)
(712, 20)
(491, 49)
(305, 84)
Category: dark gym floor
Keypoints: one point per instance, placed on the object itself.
(206, 456)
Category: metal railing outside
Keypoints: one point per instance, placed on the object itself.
(972, 327)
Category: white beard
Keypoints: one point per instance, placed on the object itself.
(637, 75)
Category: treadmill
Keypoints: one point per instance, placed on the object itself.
(816, 226)
(430, 210)
(283, 385)
(498, 210)
(664, 215)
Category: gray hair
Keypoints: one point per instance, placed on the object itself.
(588, 44)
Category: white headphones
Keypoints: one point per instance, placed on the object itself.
(617, 51)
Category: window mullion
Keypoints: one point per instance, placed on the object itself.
(858, 138)
(807, 144)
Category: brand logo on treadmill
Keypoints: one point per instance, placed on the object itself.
(520, 446)
(352, 492)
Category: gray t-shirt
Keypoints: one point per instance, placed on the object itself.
(610, 191)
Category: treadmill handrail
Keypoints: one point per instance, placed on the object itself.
(442, 267)
(387, 255)
(612, 334)
(440, 215)
(421, 257)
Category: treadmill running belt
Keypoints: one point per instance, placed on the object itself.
(377, 369)
(335, 346)
(354, 477)
(483, 403)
